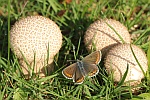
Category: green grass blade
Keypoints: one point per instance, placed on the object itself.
(116, 33)
(78, 46)
(144, 33)
(137, 60)
(124, 76)
(148, 55)
(2, 93)
(47, 78)
(8, 30)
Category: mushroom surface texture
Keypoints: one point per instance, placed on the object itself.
(119, 56)
(35, 40)
(101, 36)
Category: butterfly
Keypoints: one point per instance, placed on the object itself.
(86, 67)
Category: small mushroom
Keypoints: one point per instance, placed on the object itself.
(101, 36)
(119, 56)
(35, 40)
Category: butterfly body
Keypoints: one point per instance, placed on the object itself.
(80, 66)
(86, 67)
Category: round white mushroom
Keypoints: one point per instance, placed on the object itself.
(101, 36)
(119, 56)
(38, 39)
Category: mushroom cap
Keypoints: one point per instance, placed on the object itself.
(32, 35)
(119, 56)
(103, 37)
(35, 37)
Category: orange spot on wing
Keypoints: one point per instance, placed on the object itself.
(68, 75)
(98, 59)
(92, 73)
(80, 80)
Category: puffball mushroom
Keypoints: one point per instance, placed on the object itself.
(119, 56)
(35, 40)
(102, 37)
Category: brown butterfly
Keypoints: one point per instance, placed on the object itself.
(86, 67)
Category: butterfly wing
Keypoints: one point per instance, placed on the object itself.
(78, 77)
(90, 69)
(93, 58)
(69, 71)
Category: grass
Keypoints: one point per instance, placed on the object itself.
(73, 19)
